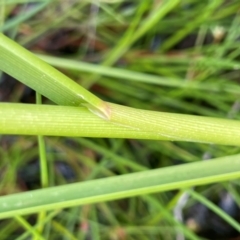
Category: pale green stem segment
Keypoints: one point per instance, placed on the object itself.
(47, 120)
(124, 122)
(43, 78)
(177, 126)
(140, 183)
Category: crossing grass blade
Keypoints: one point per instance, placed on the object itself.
(43, 78)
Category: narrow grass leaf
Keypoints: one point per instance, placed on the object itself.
(150, 78)
(43, 78)
(215, 209)
(123, 186)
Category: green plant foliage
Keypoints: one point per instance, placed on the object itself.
(118, 187)
(135, 133)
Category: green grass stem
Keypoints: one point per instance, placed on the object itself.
(124, 122)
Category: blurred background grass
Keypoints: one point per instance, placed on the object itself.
(175, 44)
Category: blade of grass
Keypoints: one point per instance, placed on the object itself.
(2, 13)
(169, 217)
(22, 1)
(150, 78)
(200, 18)
(215, 209)
(28, 227)
(70, 9)
(132, 36)
(43, 161)
(227, 10)
(62, 230)
(43, 169)
(46, 220)
(94, 226)
(42, 153)
(124, 43)
(119, 160)
(23, 17)
(43, 78)
(134, 32)
(139, 183)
